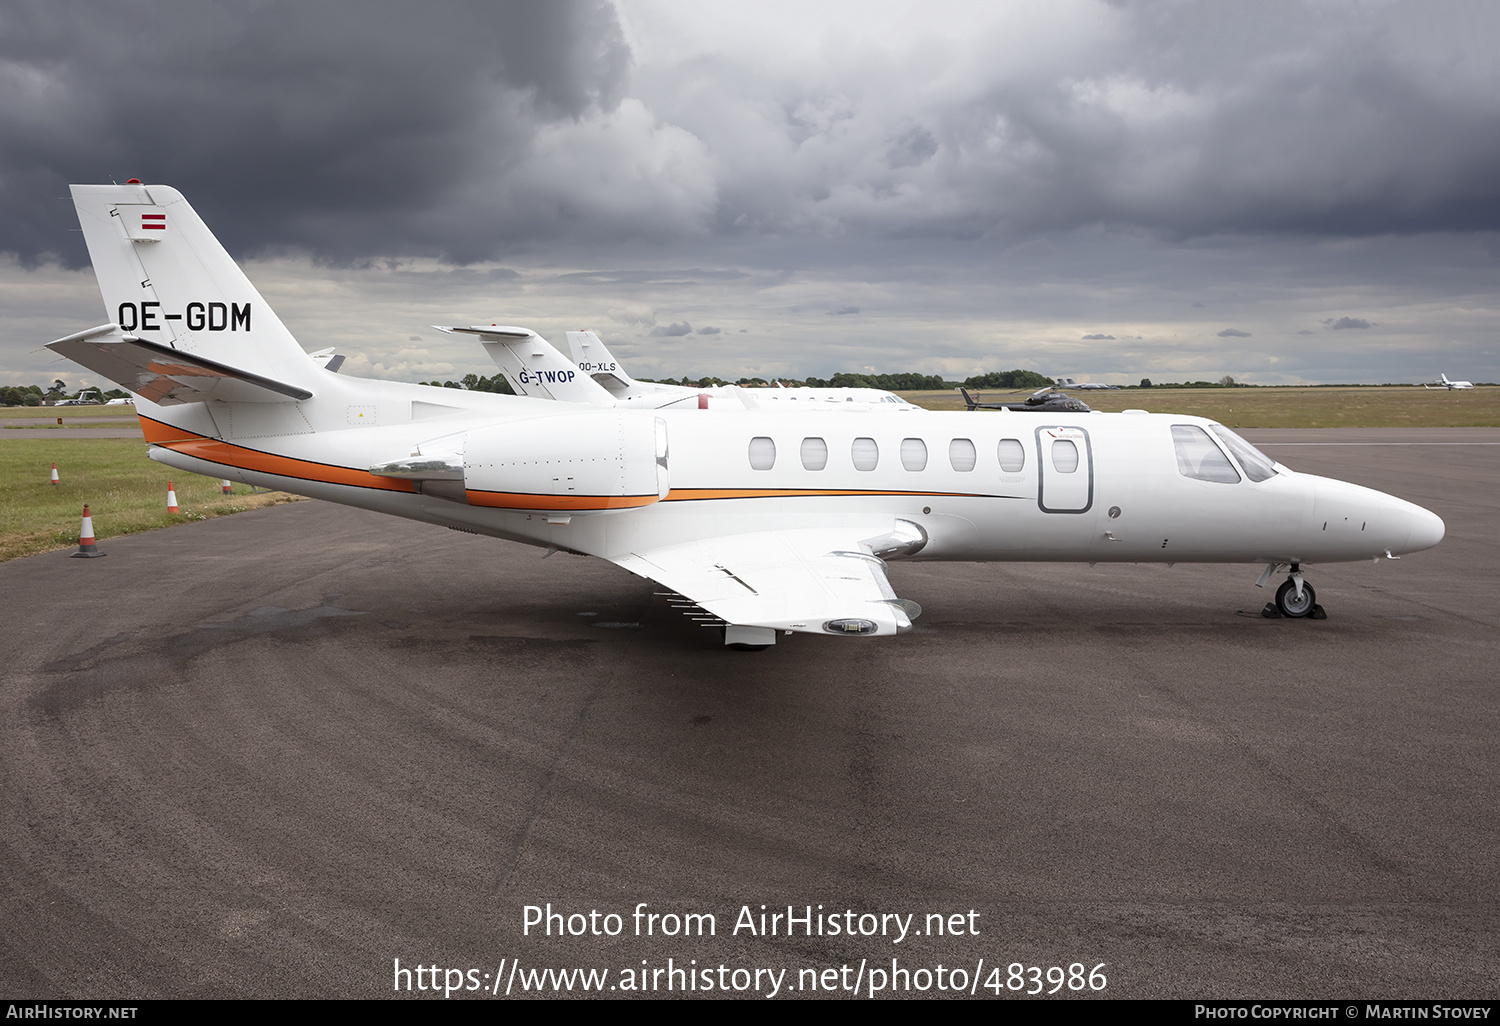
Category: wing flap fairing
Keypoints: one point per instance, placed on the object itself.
(819, 581)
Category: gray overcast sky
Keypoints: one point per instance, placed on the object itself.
(1278, 191)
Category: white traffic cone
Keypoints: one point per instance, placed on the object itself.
(87, 547)
(171, 499)
(54, 475)
(227, 490)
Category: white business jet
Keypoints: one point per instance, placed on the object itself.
(764, 522)
(1087, 386)
(1445, 383)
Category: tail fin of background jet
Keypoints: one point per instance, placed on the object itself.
(591, 356)
(168, 281)
(533, 366)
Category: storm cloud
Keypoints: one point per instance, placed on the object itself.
(347, 130)
(465, 129)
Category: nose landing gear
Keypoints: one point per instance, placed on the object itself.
(1292, 601)
(1295, 598)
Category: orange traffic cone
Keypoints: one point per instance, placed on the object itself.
(171, 499)
(54, 474)
(227, 489)
(87, 547)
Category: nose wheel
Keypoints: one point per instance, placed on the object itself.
(1295, 598)
(1290, 603)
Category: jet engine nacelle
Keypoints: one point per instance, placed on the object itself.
(594, 462)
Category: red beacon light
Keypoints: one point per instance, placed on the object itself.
(134, 181)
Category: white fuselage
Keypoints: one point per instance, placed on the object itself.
(1125, 500)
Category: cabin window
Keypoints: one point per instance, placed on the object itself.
(913, 453)
(1199, 458)
(1012, 455)
(1064, 455)
(866, 453)
(962, 455)
(762, 453)
(814, 454)
(1258, 466)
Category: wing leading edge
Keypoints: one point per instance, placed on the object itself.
(817, 581)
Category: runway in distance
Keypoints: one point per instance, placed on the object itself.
(758, 521)
(1445, 383)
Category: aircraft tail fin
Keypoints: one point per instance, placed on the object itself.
(969, 401)
(167, 280)
(593, 357)
(533, 366)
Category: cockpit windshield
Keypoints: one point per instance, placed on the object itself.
(1258, 466)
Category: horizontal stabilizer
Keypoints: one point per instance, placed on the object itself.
(167, 376)
(490, 332)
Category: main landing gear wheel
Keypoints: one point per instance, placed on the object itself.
(1288, 603)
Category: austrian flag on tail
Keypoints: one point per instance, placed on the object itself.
(143, 222)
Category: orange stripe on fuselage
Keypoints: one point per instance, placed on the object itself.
(158, 433)
(230, 455)
(699, 494)
(526, 500)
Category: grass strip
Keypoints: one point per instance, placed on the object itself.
(126, 492)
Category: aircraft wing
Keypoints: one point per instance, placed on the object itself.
(168, 376)
(814, 580)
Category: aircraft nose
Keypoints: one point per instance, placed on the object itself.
(1426, 528)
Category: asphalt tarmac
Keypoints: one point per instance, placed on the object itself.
(268, 755)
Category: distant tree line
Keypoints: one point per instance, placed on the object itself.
(474, 383)
(1009, 379)
(21, 395)
(35, 395)
(905, 382)
(1225, 382)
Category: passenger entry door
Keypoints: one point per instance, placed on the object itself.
(1065, 469)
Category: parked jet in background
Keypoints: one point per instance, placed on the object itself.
(593, 358)
(1093, 386)
(535, 368)
(758, 521)
(1445, 383)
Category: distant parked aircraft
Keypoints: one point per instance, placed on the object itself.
(1445, 383)
(1090, 385)
(1043, 400)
